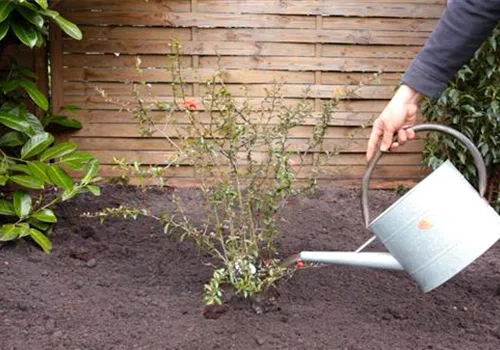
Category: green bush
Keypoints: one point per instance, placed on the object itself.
(471, 104)
(30, 160)
(29, 19)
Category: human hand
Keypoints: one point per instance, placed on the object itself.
(399, 114)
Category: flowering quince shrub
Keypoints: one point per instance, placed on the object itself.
(245, 169)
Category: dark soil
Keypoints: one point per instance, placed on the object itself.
(125, 285)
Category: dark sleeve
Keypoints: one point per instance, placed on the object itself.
(462, 28)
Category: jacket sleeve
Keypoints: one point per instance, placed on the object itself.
(462, 28)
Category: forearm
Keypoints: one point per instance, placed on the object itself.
(463, 27)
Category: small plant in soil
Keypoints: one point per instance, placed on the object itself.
(245, 164)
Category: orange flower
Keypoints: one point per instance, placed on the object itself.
(189, 104)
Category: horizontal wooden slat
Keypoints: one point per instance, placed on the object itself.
(385, 183)
(110, 117)
(160, 144)
(309, 63)
(238, 90)
(315, 36)
(325, 8)
(138, 46)
(240, 76)
(380, 24)
(232, 48)
(188, 75)
(127, 6)
(353, 36)
(327, 172)
(190, 19)
(164, 157)
(131, 130)
(369, 51)
(122, 61)
(94, 102)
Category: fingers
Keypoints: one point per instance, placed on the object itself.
(387, 139)
(410, 134)
(402, 136)
(376, 134)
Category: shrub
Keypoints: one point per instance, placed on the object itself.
(471, 104)
(246, 168)
(30, 159)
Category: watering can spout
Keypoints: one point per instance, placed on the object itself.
(378, 260)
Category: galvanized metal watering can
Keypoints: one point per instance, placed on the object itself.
(434, 231)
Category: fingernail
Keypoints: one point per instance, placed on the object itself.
(384, 148)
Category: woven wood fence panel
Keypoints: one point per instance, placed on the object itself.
(324, 45)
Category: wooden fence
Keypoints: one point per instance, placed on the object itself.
(325, 45)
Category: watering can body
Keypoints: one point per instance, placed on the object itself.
(434, 231)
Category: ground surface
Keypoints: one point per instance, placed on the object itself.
(125, 285)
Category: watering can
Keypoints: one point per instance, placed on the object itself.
(434, 231)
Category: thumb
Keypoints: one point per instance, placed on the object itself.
(387, 139)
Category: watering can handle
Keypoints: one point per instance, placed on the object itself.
(478, 159)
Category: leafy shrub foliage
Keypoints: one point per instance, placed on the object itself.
(29, 19)
(471, 104)
(33, 167)
(245, 164)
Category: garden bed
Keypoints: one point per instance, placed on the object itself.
(125, 285)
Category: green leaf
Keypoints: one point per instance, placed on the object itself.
(14, 122)
(44, 226)
(4, 29)
(25, 32)
(3, 180)
(43, 3)
(9, 232)
(45, 215)
(28, 73)
(6, 208)
(24, 228)
(39, 170)
(491, 59)
(36, 144)
(76, 160)
(6, 8)
(31, 16)
(27, 181)
(68, 27)
(60, 178)
(92, 168)
(58, 150)
(95, 190)
(67, 122)
(71, 108)
(22, 204)
(36, 95)
(17, 167)
(40, 39)
(34, 122)
(41, 240)
(50, 13)
(12, 139)
(10, 85)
